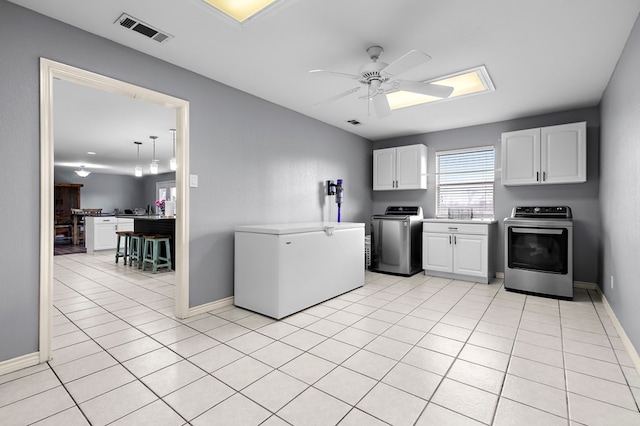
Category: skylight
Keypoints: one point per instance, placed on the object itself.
(465, 83)
(240, 10)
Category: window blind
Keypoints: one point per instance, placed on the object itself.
(464, 180)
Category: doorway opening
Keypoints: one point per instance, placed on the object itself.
(50, 70)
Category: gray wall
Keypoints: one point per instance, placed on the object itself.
(582, 198)
(257, 162)
(620, 184)
(106, 192)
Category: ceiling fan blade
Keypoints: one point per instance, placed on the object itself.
(425, 88)
(406, 62)
(338, 74)
(338, 96)
(381, 105)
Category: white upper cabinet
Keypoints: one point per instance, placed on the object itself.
(404, 167)
(547, 155)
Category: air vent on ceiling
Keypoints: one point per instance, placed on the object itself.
(134, 24)
(354, 122)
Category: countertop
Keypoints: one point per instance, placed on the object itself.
(477, 221)
(145, 217)
(295, 228)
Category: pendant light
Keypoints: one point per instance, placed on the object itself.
(153, 167)
(138, 170)
(172, 161)
(82, 172)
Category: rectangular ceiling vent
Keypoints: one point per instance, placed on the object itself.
(134, 24)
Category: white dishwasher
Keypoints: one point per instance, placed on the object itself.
(285, 268)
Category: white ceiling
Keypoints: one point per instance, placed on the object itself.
(543, 56)
(86, 119)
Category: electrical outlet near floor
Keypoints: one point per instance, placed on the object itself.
(611, 281)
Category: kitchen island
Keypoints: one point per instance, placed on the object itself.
(155, 225)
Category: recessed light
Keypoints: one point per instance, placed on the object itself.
(464, 83)
(240, 10)
(91, 153)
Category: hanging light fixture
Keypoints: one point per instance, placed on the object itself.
(82, 172)
(153, 167)
(137, 171)
(172, 161)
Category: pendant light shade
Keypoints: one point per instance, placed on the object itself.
(137, 171)
(82, 172)
(172, 161)
(153, 167)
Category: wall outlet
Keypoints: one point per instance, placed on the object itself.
(611, 281)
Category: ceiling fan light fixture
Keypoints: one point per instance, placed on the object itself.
(468, 82)
(240, 10)
(82, 172)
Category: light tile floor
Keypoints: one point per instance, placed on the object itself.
(401, 351)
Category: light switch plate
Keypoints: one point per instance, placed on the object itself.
(193, 181)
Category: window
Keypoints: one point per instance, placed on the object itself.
(464, 180)
(166, 190)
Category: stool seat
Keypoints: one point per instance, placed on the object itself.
(153, 247)
(127, 239)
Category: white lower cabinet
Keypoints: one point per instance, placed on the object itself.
(458, 250)
(100, 232)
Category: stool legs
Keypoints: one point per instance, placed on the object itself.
(135, 250)
(125, 253)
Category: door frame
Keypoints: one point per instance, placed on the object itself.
(48, 71)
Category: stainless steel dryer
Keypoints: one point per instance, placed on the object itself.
(538, 251)
(396, 241)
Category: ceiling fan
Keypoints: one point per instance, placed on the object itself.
(379, 78)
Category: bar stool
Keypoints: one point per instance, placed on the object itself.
(127, 238)
(152, 247)
(135, 248)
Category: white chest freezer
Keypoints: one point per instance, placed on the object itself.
(285, 268)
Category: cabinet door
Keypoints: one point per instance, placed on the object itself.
(411, 167)
(470, 255)
(436, 252)
(564, 153)
(384, 169)
(521, 157)
(105, 236)
(125, 224)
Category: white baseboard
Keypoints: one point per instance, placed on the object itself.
(211, 306)
(631, 350)
(18, 363)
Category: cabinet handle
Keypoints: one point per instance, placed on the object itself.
(453, 228)
(537, 176)
(454, 240)
(544, 176)
(449, 239)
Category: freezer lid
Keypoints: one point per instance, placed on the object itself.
(297, 228)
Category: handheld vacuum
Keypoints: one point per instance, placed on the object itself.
(337, 190)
